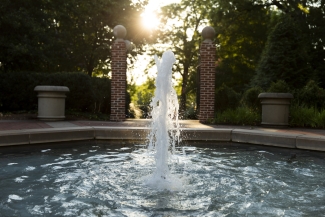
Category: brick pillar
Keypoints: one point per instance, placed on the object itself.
(207, 75)
(118, 82)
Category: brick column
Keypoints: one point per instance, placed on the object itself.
(207, 75)
(118, 82)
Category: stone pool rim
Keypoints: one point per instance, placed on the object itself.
(194, 135)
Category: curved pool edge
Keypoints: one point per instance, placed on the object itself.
(188, 135)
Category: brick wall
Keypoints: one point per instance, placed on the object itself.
(207, 80)
(118, 83)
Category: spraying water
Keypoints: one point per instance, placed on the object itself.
(165, 127)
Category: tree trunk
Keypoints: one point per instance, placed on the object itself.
(90, 66)
(182, 107)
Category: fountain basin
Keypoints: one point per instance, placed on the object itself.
(101, 179)
(297, 140)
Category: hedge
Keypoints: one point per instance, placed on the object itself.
(87, 94)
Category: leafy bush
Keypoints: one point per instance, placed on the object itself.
(226, 98)
(250, 98)
(279, 87)
(81, 96)
(240, 116)
(86, 93)
(101, 88)
(302, 116)
(311, 95)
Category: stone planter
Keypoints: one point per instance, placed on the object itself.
(51, 102)
(275, 109)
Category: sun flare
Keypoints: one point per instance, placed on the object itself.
(149, 19)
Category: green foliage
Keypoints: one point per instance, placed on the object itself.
(226, 98)
(311, 95)
(101, 88)
(284, 57)
(242, 27)
(238, 116)
(74, 35)
(302, 116)
(86, 94)
(179, 31)
(250, 98)
(141, 97)
(279, 87)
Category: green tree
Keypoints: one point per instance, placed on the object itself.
(306, 22)
(24, 34)
(60, 35)
(242, 28)
(141, 95)
(285, 57)
(179, 31)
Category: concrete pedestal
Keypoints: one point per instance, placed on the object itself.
(275, 109)
(51, 102)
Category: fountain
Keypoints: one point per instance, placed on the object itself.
(103, 179)
(165, 127)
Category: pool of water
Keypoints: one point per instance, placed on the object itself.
(107, 180)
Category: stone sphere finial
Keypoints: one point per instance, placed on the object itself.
(208, 33)
(119, 32)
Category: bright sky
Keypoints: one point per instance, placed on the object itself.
(149, 21)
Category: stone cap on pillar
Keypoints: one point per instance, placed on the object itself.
(45, 88)
(119, 32)
(275, 95)
(208, 33)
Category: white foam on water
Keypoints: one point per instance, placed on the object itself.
(164, 126)
(46, 150)
(14, 197)
(30, 168)
(10, 164)
(19, 179)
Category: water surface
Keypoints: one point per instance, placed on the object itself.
(106, 180)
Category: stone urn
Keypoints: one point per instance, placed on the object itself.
(275, 109)
(51, 102)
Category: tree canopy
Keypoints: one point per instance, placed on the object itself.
(75, 35)
(243, 27)
(284, 58)
(180, 32)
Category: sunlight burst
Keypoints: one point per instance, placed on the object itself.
(149, 19)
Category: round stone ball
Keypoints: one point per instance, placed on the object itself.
(119, 31)
(208, 33)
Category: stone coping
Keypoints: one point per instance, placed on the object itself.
(188, 135)
(46, 88)
(275, 95)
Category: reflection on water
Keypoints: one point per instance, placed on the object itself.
(104, 180)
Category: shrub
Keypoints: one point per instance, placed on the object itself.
(250, 98)
(240, 115)
(311, 95)
(86, 93)
(302, 116)
(279, 87)
(81, 96)
(226, 98)
(101, 88)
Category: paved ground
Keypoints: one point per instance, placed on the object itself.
(37, 124)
